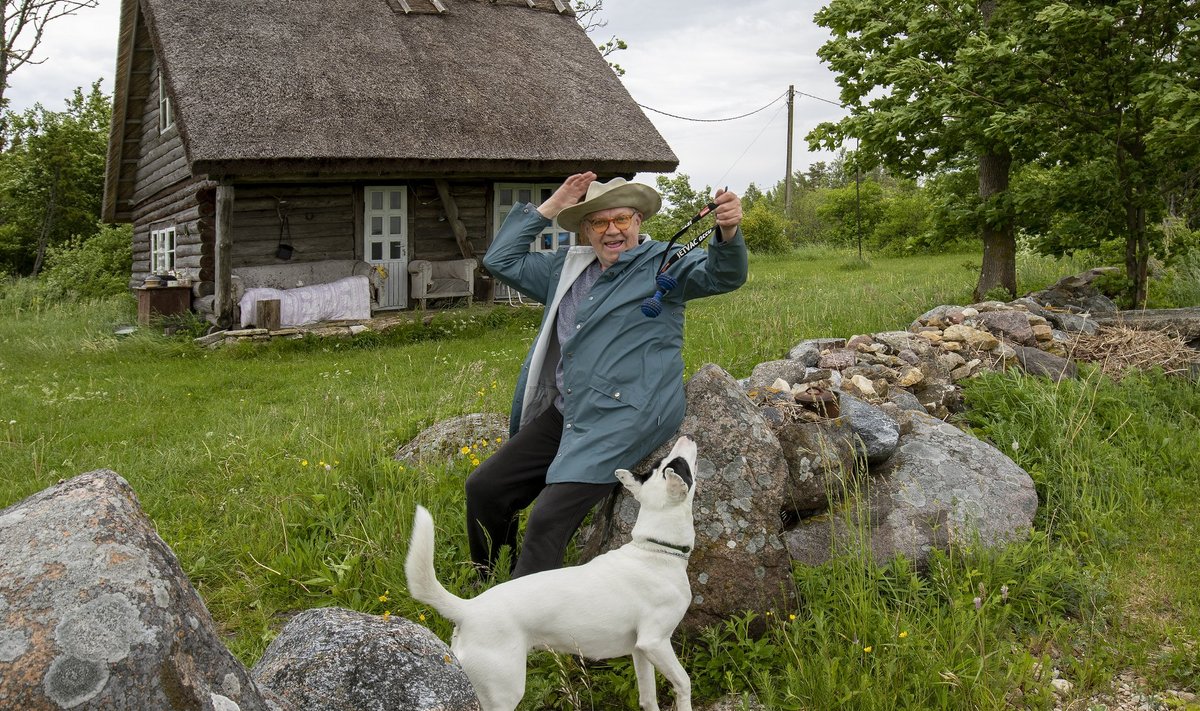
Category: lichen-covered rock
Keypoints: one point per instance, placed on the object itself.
(331, 659)
(941, 487)
(98, 614)
(1039, 362)
(444, 441)
(1011, 325)
(739, 562)
(765, 374)
(820, 459)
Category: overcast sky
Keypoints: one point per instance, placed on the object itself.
(700, 59)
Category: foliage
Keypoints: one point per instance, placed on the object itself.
(96, 267)
(52, 178)
(587, 14)
(763, 230)
(24, 27)
(680, 203)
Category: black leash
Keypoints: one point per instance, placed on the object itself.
(664, 282)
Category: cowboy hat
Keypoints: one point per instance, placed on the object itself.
(617, 192)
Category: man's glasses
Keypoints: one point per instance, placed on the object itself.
(599, 225)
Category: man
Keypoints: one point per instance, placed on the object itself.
(602, 385)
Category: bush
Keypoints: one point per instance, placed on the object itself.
(91, 268)
(764, 230)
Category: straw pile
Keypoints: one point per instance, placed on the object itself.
(1118, 350)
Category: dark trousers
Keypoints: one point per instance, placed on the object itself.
(509, 481)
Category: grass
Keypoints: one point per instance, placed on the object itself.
(269, 471)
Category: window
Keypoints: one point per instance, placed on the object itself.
(509, 194)
(162, 250)
(166, 116)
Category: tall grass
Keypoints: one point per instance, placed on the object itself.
(269, 470)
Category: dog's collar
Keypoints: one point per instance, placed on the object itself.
(672, 548)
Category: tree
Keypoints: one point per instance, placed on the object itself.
(587, 14)
(21, 34)
(680, 202)
(52, 178)
(930, 86)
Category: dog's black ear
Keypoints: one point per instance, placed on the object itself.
(641, 478)
(680, 466)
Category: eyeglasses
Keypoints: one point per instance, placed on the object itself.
(599, 225)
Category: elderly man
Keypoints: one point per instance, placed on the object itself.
(602, 386)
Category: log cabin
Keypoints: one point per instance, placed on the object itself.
(275, 131)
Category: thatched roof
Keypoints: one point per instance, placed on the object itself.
(487, 87)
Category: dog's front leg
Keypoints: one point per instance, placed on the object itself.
(647, 691)
(662, 656)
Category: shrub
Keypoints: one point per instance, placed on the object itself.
(94, 267)
(764, 230)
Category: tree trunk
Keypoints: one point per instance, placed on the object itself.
(999, 247)
(1137, 253)
(51, 216)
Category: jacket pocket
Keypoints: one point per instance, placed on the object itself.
(616, 394)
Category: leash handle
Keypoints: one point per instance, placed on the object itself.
(652, 307)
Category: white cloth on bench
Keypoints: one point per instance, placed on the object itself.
(346, 299)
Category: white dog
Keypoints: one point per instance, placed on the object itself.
(626, 601)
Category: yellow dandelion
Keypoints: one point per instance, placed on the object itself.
(387, 615)
(480, 393)
(321, 463)
(421, 617)
(791, 618)
(304, 462)
(868, 649)
(768, 613)
(903, 634)
(474, 462)
(465, 450)
(384, 596)
(493, 385)
(497, 440)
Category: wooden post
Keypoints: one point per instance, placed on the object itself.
(223, 266)
(267, 314)
(787, 181)
(456, 224)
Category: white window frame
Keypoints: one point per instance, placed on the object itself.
(537, 194)
(166, 116)
(162, 250)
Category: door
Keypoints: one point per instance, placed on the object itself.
(386, 241)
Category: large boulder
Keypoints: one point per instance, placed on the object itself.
(98, 613)
(739, 562)
(443, 442)
(331, 659)
(942, 487)
(1039, 362)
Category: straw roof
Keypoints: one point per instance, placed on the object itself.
(486, 82)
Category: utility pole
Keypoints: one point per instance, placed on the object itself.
(787, 181)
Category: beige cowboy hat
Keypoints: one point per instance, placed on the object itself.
(617, 192)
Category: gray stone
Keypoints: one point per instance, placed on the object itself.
(1039, 362)
(1073, 323)
(443, 442)
(942, 487)
(808, 352)
(901, 341)
(331, 659)
(944, 314)
(838, 359)
(765, 374)
(739, 562)
(1010, 325)
(905, 400)
(821, 461)
(876, 434)
(98, 613)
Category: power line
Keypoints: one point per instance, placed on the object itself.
(735, 118)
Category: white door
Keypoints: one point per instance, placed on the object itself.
(386, 241)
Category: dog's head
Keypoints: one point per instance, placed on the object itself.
(672, 482)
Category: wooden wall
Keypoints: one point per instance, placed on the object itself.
(321, 222)
(432, 235)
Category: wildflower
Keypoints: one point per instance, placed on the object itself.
(1004, 592)
(421, 617)
(465, 450)
(474, 462)
(13, 422)
(304, 462)
(1016, 445)
(384, 596)
(791, 618)
(978, 603)
(480, 393)
(868, 649)
(497, 440)
(768, 613)
(328, 467)
(903, 634)
(387, 615)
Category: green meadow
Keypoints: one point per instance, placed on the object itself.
(269, 470)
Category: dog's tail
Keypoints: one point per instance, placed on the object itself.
(423, 584)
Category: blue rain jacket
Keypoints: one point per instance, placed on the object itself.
(622, 371)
